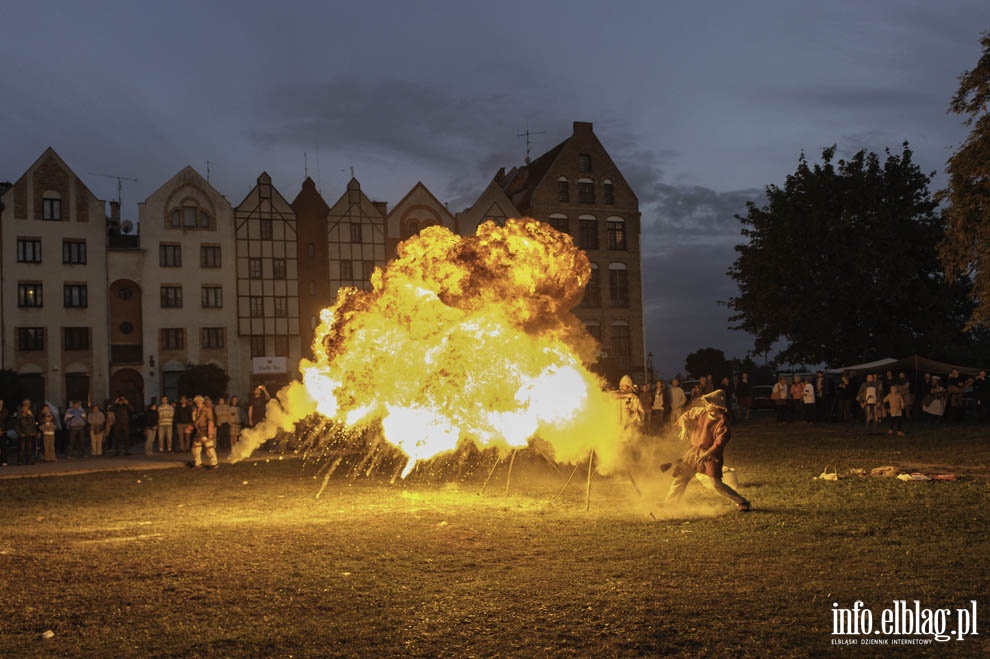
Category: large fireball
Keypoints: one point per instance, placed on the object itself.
(461, 339)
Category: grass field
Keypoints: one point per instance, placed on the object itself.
(247, 561)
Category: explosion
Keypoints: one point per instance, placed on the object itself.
(461, 339)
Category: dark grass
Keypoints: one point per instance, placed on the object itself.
(246, 561)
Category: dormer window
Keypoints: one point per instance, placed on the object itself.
(190, 217)
(584, 163)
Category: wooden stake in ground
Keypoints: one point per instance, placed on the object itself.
(508, 476)
(587, 496)
(569, 478)
(498, 458)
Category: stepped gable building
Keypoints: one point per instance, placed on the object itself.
(493, 204)
(355, 239)
(268, 284)
(313, 261)
(188, 284)
(418, 209)
(578, 189)
(53, 283)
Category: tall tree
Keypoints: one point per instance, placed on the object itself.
(841, 266)
(708, 361)
(966, 248)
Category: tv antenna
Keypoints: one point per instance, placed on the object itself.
(529, 143)
(120, 184)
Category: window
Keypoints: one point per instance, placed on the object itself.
(355, 232)
(278, 268)
(254, 268)
(586, 192)
(29, 250)
(189, 217)
(563, 193)
(368, 268)
(616, 233)
(212, 297)
(74, 252)
(170, 255)
(410, 228)
(171, 297)
(618, 285)
(125, 293)
(584, 163)
(30, 339)
(172, 338)
(126, 327)
(209, 256)
(257, 345)
(204, 220)
(266, 229)
(593, 291)
(588, 233)
(29, 295)
(608, 192)
(189, 214)
(560, 223)
(257, 306)
(310, 249)
(281, 307)
(281, 345)
(176, 220)
(51, 209)
(621, 344)
(595, 331)
(211, 338)
(346, 270)
(75, 338)
(74, 296)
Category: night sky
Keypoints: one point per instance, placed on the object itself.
(700, 104)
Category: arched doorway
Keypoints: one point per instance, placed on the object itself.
(128, 383)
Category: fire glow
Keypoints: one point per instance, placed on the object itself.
(460, 339)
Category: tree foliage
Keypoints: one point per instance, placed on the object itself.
(708, 361)
(206, 379)
(965, 250)
(841, 266)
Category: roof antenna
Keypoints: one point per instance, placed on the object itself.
(529, 144)
(207, 171)
(305, 165)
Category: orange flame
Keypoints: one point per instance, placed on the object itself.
(461, 338)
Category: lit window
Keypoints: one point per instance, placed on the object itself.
(29, 295)
(616, 233)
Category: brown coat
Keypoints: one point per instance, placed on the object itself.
(706, 433)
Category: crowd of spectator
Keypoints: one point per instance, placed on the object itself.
(195, 425)
(881, 401)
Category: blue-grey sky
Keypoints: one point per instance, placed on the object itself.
(701, 104)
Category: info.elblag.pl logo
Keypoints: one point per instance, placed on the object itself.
(902, 624)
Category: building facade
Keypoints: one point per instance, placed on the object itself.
(53, 295)
(188, 284)
(577, 188)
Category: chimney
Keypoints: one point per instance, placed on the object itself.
(582, 127)
(115, 211)
(382, 206)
